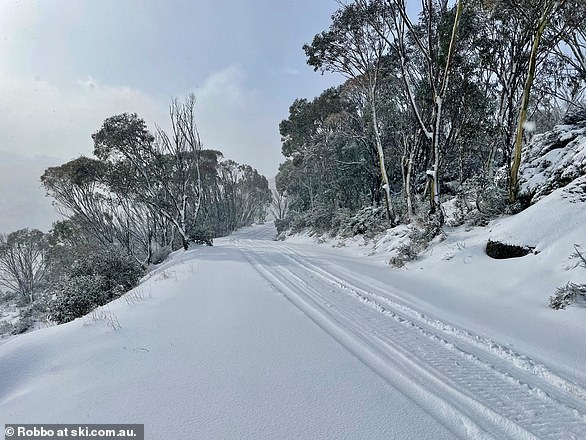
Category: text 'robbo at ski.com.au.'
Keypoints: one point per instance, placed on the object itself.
(73, 431)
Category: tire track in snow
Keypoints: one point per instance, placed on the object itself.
(476, 391)
(380, 298)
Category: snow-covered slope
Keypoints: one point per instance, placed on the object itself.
(205, 348)
(260, 339)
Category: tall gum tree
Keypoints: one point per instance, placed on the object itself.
(538, 15)
(354, 48)
(401, 35)
(165, 169)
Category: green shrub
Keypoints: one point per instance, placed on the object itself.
(78, 295)
(367, 221)
(202, 235)
(91, 282)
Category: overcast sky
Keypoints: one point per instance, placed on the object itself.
(66, 65)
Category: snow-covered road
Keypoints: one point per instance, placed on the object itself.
(260, 339)
(467, 381)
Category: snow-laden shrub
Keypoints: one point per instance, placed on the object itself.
(340, 219)
(403, 254)
(367, 221)
(571, 292)
(424, 231)
(409, 241)
(566, 295)
(117, 268)
(30, 315)
(282, 224)
(575, 117)
(92, 282)
(480, 199)
(202, 235)
(76, 296)
(320, 217)
(299, 221)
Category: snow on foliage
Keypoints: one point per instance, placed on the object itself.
(554, 160)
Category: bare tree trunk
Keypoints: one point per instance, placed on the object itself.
(381, 160)
(514, 177)
(407, 171)
(438, 110)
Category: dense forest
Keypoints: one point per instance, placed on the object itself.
(140, 197)
(435, 107)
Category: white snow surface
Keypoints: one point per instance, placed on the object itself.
(506, 300)
(205, 348)
(259, 339)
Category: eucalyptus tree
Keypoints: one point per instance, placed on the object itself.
(331, 160)
(424, 60)
(163, 172)
(518, 45)
(23, 262)
(535, 17)
(354, 47)
(79, 188)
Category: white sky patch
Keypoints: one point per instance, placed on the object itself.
(38, 117)
(231, 118)
(290, 71)
(22, 197)
(87, 83)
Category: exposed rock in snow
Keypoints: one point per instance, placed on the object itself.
(502, 251)
(576, 117)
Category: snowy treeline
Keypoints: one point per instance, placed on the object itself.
(145, 193)
(140, 197)
(433, 108)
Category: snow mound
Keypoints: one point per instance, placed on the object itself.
(556, 222)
